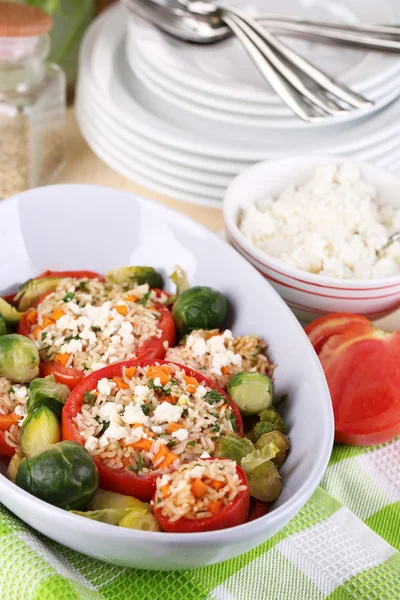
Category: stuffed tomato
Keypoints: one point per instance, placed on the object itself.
(141, 419)
(202, 495)
(86, 323)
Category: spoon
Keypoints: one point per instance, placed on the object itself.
(393, 238)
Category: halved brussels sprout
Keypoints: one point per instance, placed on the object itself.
(40, 429)
(30, 291)
(179, 278)
(262, 474)
(270, 420)
(13, 466)
(104, 499)
(129, 277)
(112, 516)
(135, 519)
(47, 392)
(234, 447)
(251, 391)
(278, 439)
(64, 475)
(19, 358)
(199, 307)
(3, 326)
(9, 313)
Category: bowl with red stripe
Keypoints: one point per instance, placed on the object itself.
(310, 295)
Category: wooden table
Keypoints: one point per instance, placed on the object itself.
(83, 166)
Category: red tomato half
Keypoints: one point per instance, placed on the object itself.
(233, 514)
(124, 481)
(76, 274)
(322, 329)
(5, 449)
(257, 509)
(70, 376)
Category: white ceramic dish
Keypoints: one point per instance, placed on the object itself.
(103, 64)
(225, 70)
(311, 296)
(130, 230)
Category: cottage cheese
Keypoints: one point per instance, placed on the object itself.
(330, 226)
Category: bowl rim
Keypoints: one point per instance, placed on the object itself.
(272, 519)
(231, 205)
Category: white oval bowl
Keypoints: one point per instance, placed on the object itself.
(96, 228)
(311, 296)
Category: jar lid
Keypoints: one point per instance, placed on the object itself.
(22, 20)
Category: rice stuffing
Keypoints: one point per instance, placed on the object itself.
(88, 324)
(221, 355)
(13, 399)
(152, 418)
(198, 489)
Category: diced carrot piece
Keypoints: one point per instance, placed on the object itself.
(32, 316)
(166, 369)
(7, 421)
(198, 488)
(62, 359)
(214, 507)
(39, 328)
(166, 490)
(121, 384)
(191, 381)
(126, 461)
(154, 372)
(36, 332)
(190, 389)
(130, 372)
(131, 298)
(225, 370)
(95, 393)
(143, 444)
(163, 451)
(174, 427)
(217, 485)
(170, 399)
(122, 309)
(168, 460)
(57, 314)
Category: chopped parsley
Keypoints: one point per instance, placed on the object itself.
(11, 390)
(68, 296)
(157, 388)
(95, 328)
(72, 337)
(185, 412)
(171, 443)
(212, 397)
(44, 335)
(146, 408)
(203, 368)
(89, 398)
(104, 428)
(216, 427)
(192, 443)
(139, 465)
(232, 419)
(82, 287)
(145, 300)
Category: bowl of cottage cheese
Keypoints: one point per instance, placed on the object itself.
(314, 226)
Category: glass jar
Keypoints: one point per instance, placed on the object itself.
(32, 101)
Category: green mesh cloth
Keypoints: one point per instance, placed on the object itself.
(342, 545)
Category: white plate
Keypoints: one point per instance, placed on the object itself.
(224, 69)
(130, 230)
(160, 100)
(242, 113)
(103, 63)
(138, 172)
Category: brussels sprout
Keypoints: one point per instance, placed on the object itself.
(234, 447)
(40, 429)
(251, 391)
(265, 482)
(3, 326)
(30, 291)
(135, 519)
(104, 499)
(112, 516)
(64, 475)
(179, 278)
(13, 466)
(129, 277)
(47, 392)
(9, 313)
(270, 420)
(258, 457)
(280, 440)
(199, 307)
(19, 358)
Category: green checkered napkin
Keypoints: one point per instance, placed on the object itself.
(342, 545)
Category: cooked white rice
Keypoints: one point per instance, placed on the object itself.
(88, 324)
(198, 489)
(13, 398)
(136, 422)
(220, 355)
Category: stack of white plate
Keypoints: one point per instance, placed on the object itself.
(184, 119)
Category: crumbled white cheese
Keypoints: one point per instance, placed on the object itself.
(134, 414)
(157, 429)
(20, 393)
(92, 443)
(205, 455)
(110, 412)
(104, 386)
(167, 413)
(199, 348)
(67, 322)
(216, 344)
(225, 359)
(114, 431)
(180, 434)
(330, 226)
(72, 347)
(157, 381)
(141, 392)
(200, 392)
